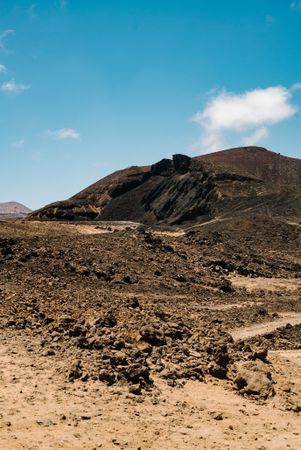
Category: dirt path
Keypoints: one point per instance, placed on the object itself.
(227, 306)
(266, 327)
(268, 284)
(204, 224)
(40, 411)
(295, 224)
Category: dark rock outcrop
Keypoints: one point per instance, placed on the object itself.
(189, 190)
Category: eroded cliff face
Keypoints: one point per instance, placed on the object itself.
(187, 190)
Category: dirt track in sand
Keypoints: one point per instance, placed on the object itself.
(40, 411)
(266, 327)
(264, 283)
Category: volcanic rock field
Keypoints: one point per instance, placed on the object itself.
(174, 325)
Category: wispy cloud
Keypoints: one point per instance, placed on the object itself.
(296, 6)
(3, 37)
(18, 144)
(63, 133)
(255, 137)
(2, 68)
(11, 87)
(32, 11)
(249, 115)
(296, 87)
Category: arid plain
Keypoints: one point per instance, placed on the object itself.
(124, 334)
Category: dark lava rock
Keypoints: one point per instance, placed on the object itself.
(107, 376)
(133, 302)
(259, 353)
(108, 320)
(75, 371)
(137, 373)
(152, 335)
(217, 371)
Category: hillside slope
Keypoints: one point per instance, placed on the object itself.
(189, 190)
(13, 210)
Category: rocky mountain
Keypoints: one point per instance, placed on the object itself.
(185, 190)
(13, 210)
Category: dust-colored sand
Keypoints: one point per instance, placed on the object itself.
(293, 356)
(266, 327)
(268, 284)
(40, 411)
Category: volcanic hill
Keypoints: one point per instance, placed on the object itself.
(13, 210)
(187, 190)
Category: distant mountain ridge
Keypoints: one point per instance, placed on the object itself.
(189, 190)
(13, 210)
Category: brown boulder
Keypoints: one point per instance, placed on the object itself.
(254, 378)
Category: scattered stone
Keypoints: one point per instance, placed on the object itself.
(44, 422)
(217, 415)
(217, 371)
(107, 376)
(254, 378)
(75, 371)
(153, 336)
(135, 389)
(259, 353)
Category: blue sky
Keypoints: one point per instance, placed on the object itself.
(89, 87)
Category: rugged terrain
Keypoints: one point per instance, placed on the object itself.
(186, 190)
(116, 335)
(183, 334)
(13, 210)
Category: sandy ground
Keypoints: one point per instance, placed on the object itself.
(266, 327)
(293, 356)
(42, 228)
(41, 411)
(268, 284)
(225, 307)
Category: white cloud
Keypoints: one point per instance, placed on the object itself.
(3, 36)
(18, 144)
(251, 112)
(13, 88)
(296, 6)
(2, 68)
(63, 133)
